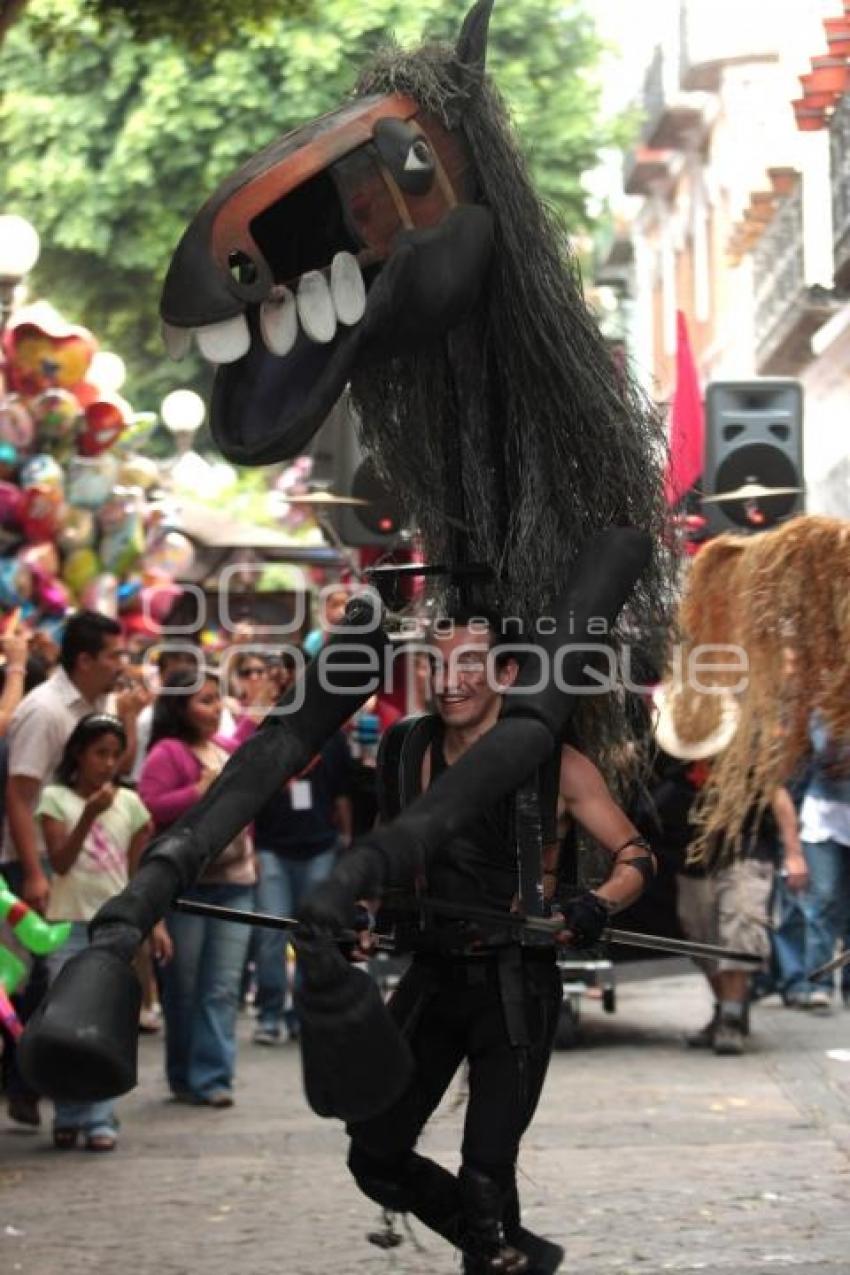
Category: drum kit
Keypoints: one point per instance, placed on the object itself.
(324, 500)
(750, 492)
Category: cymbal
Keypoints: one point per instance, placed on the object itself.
(321, 499)
(750, 491)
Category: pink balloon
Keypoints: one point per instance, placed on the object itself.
(52, 595)
(13, 503)
(158, 599)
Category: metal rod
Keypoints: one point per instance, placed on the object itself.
(535, 924)
(837, 963)
(683, 947)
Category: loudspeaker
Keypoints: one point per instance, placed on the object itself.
(339, 466)
(753, 437)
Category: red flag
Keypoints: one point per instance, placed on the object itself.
(686, 420)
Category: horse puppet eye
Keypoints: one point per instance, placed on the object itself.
(419, 157)
(407, 154)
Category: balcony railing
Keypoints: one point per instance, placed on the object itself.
(787, 311)
(671, 116)
(643, 168)
(839, 144)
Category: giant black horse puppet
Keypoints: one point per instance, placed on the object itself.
(397, 245)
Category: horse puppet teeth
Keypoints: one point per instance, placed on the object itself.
(279, 323)
(316, 308)
(347, 289)
(225, 342)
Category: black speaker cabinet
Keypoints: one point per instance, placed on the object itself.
(753, 438)
(339, 465)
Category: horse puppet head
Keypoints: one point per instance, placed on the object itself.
(429, 276)
(355, 237)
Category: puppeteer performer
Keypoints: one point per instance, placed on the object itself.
(396, 246)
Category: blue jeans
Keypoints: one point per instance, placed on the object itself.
(94, 1118)
(200, 993)
(788, 940)
(826, 902)
(283, 884)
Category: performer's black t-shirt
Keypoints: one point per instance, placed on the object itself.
(479, 867)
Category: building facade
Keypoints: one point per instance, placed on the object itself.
(735, 209)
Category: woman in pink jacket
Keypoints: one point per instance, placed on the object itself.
(201, 984)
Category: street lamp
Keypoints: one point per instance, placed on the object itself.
(19, 249)
(182, 413)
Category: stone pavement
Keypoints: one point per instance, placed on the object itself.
(644, 1158)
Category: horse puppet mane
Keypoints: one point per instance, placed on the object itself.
(517, 424)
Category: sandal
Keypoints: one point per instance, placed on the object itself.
(65, 1139)
(101, 1142)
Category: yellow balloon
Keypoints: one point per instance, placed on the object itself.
(80, 567)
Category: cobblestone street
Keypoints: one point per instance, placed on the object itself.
(644, 1157)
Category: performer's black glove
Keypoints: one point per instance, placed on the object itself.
(331, 905)
(585, 916)
(328, 907)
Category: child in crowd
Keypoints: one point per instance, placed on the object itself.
(94, 833)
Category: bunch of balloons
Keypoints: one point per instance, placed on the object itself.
(75, 517)
(35, 934)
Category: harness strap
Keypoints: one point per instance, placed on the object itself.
(512, 994)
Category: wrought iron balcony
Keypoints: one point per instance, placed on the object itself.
(643, 168)
(672, 116)
(787, 311)
(839, 144)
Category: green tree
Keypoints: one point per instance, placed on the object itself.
(196, 24)
(111, 146)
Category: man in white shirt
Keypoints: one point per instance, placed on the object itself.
(90, 664)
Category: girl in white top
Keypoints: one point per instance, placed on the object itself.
(94, 833)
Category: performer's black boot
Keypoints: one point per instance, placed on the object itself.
(412, 1184)
(485, 1248)
(544, 1257)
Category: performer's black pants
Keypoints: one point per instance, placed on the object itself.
(451, 1009)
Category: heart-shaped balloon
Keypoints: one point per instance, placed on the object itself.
(105, 421)
(45, 351)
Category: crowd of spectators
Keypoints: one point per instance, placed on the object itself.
(95, 759)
